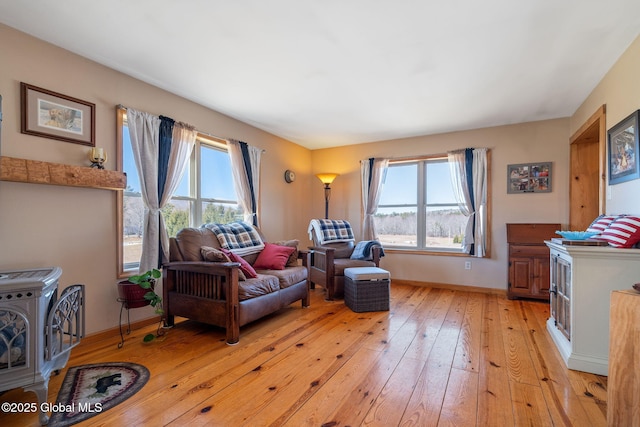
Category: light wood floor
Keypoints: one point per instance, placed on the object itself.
(439, 357)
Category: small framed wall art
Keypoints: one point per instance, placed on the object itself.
(529, 178)
(623, 150)
(53, 115)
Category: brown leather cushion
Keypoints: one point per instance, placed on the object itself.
(213, 255)
(189, 241)
(289, 276)
(262, 285)
(341, 263)
(343, 249)
(210, 254)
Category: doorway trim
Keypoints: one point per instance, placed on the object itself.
(596, 127)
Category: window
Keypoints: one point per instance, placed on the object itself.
(205, 194)
(418, 209)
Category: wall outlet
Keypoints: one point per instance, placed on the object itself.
(467, 265)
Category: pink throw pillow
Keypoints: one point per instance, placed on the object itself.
(245, 267)
(293, 258)
(273, 257)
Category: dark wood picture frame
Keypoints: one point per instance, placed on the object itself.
(622, 150)
(53, 115)
(529, 178)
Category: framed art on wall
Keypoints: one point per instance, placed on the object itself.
(623, 150)
(529, 178)
(53, 115)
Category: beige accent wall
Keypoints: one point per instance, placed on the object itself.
(75, 228)
(619, 90)
(542, 141)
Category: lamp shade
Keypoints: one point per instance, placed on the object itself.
(327, 178)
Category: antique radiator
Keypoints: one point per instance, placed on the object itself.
(38, 329)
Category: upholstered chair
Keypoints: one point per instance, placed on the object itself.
(334, 249)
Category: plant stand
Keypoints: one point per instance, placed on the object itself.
(124, 304)
(131, 296)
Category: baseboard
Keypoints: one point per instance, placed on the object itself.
(492, 291)
(115, 331)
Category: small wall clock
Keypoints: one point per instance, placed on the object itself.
(289, 176)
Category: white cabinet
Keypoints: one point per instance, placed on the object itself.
(582, 278)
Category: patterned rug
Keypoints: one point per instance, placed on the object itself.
(89, 390)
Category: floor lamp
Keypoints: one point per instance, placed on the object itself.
(327, 179)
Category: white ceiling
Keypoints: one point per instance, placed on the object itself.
(335, 72)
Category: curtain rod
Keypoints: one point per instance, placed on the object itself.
(122, 107)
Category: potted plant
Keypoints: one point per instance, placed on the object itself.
(138, 291)
(147, 281)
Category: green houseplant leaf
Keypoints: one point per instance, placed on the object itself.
(147, 280)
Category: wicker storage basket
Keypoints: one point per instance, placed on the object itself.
(366, 289)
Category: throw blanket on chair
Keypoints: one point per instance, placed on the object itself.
(330, 230)
(238, 237)
(363, 250)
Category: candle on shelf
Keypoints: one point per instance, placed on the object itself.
(98, 157)
(98, 153)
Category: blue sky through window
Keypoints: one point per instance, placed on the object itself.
(400, 187)
(216, 175)
(216, 172)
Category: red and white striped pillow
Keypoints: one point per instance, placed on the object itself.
(623, 232)
(601, 223)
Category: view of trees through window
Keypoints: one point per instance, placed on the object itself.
(443, 228)
(176, 215)
(418, 209)
(205, 195)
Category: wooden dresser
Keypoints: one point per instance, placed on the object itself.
(529, 260)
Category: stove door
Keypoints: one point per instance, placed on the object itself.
(66, 323)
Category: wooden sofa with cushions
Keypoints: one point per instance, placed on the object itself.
(213, 292)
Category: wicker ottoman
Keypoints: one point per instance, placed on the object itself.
(366, 289)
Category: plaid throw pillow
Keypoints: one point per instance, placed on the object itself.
(238, 237)
(335, 230)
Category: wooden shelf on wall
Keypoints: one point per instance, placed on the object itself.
(38, 172)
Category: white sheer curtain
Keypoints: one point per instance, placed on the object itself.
(469, 178)
(144, 132)
(480, 175)
(248, 200)
(182, 143)
(372, 172)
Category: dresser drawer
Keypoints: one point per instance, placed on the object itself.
(528, 251)
(531, 233)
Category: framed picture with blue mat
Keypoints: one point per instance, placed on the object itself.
(623, 150)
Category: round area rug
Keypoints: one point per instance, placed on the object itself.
(89, 390)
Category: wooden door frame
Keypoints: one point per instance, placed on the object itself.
(595, 126)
